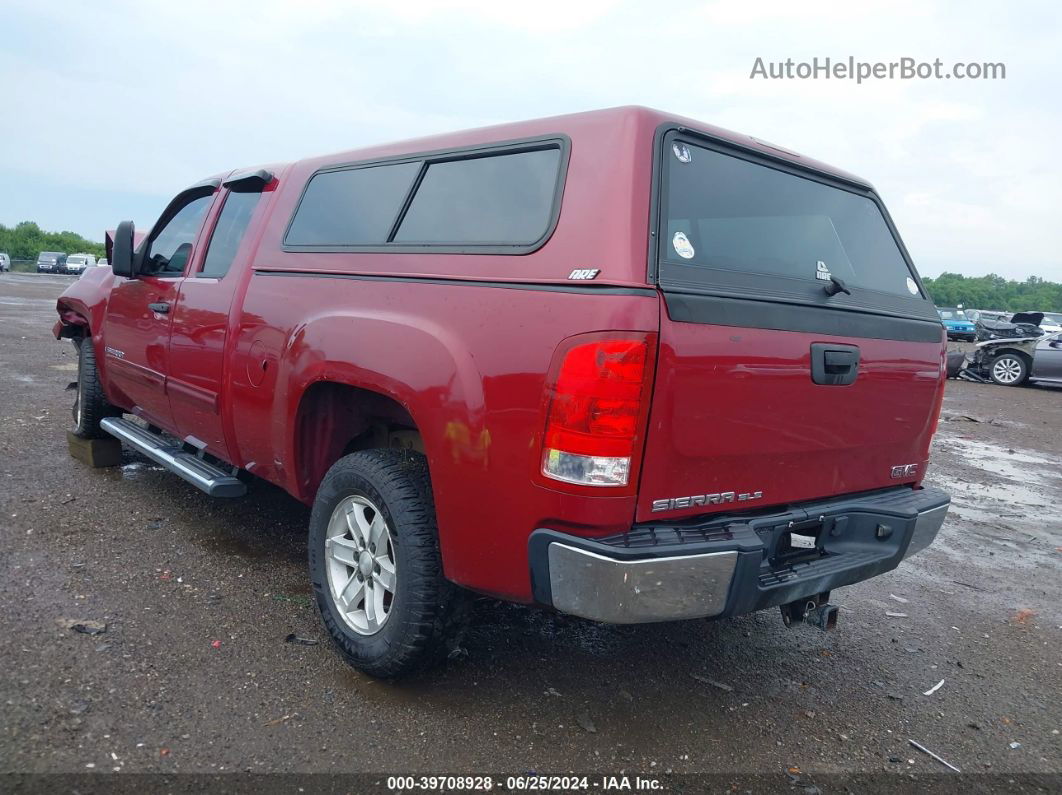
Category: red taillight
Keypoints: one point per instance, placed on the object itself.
(596, 410)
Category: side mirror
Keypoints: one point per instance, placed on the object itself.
(122, 250)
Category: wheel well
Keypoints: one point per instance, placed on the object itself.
(334, 420)
(1015, 352)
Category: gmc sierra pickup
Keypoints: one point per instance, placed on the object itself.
(620, 364)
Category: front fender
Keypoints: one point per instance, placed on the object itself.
(84, 303)
(82, 308)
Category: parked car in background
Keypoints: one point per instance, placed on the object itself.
(1019, 325)
(51, 262)
(5, 262)
(1016, 362)
(1051, 323)
(704, 384)
(957, 325)
(98, 264)
(976, 315)
(77, 263)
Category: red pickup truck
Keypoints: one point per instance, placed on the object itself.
(621, 364)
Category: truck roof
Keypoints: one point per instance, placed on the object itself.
(636, 121)
(606, 198)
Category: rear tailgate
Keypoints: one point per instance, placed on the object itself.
(769, 390)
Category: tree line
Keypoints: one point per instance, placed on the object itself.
(26, 240)
(994, 292)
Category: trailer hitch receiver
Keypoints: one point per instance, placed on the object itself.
(816, 611)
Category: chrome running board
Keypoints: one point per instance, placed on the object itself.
(200, 473)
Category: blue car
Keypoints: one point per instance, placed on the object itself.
(957, 324)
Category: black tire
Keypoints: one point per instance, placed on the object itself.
(397, 482)
(89, 397)
(1009, 369)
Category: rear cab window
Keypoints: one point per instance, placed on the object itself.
(736, 225)
(500, 200)
(232, 223)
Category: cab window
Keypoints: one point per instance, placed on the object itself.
(170, 248)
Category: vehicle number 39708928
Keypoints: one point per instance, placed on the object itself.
(484, 783)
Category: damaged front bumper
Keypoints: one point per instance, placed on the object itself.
(729, 565)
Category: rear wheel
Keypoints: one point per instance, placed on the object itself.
(1010, 369)
(90, 406)
(374, 561)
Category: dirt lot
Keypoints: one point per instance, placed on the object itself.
(193, 673)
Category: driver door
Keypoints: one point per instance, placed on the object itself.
(137, 326)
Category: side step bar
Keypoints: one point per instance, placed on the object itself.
(200, 473)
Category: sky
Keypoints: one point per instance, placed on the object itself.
(111, 107)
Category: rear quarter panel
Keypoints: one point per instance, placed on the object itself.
(467, 362)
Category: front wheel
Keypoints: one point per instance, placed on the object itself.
(374, 561)
(1009, 370)
(90, 405)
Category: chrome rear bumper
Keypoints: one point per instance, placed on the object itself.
(632, 592)
(666, 573)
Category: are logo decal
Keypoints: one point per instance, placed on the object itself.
(583, 274)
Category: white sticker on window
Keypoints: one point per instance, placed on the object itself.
(682, 152)
(912, 288)
(682, 245)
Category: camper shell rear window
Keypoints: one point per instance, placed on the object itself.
(735, 224)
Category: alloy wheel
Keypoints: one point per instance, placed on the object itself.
(1007, 370)
(360, 559)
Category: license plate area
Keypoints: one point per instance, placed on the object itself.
(798, 541)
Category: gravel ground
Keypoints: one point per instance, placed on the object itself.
(193, 672)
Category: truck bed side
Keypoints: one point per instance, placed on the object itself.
(468, 364)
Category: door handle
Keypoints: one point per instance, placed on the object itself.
(834, 365)
(161, 307)
(838, 362)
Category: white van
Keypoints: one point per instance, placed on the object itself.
(78, 263)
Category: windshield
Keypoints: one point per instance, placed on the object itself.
(1054, 318)
(75, 260)
(46, 256)
(725, 214)
(952, 314)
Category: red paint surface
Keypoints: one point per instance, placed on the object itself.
(735, 409)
